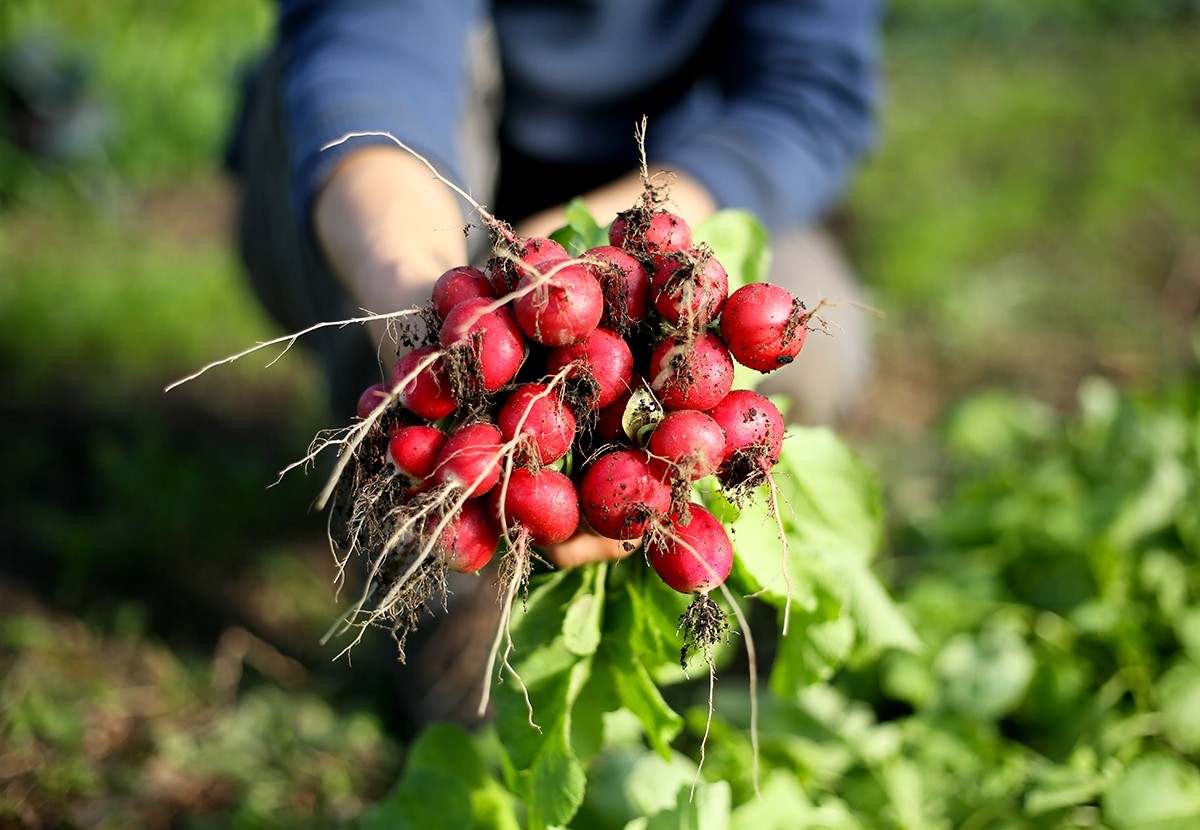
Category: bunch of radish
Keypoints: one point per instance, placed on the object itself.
(554, 394)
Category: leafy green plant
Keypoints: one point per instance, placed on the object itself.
(1056, 590)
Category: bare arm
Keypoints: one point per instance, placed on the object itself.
(388, 228)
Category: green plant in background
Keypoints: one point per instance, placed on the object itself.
(1031, 217)
(108, 729)
(163, 74)
(1024, 209)
(1057, 591)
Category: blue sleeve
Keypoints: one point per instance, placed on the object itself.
(793, 114)
(395, 66)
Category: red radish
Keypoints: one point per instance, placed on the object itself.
(429, 394)
(563, 308)
(462, 283)
(371, 397)
(692, 558)
(620, 494)
(536, 251)
(610, 419)
(691, 441)
(690, 288)
(691, 374)
(546, 421)
(650, 235)
(764, 326)
(625, 284)
(413, 452)
(469, 540)
(526, 257)
(751, 422)
(470, 459)
(494, 336)
(605, 356)
(545, 503)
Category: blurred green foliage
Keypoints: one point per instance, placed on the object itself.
(1029, 219)
(166, 72)
(1029, 206)
(105, 729)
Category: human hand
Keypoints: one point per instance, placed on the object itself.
(586, 546)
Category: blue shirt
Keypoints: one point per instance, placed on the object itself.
(768, 103)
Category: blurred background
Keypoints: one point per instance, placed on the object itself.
(1030, 227)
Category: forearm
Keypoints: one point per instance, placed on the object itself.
(388, 228)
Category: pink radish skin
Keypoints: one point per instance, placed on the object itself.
(749, 421)
(429, 394)
(538, 250)
(693, 558)
(564, 309)
(695, 376)
(549, 423)
(620, 494)
(545, 503)
(625, 284)
(470, 459)
(501, 349)
(689, 440)
(605, 356)
(691, 288)
(664, 234)
(371, 397)
(413, 452)
(462, 283)
(468, 542)
(530, 255)
(764, 326)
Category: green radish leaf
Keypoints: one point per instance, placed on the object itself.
(535, 705)
(447, 749)
(640, 636)
(985, 675)
(556, 780)
(708, 809)
(1156, 792)
(581, 231)
(810, 653)
(1187, 628)
(830, 510)
(1059, 786)
(653, 614)
(582, 622)
(639, 694)
(740, 242)
(783, 805)
(548, 774)
(1178, 695)
(628, 783)
(424, 798)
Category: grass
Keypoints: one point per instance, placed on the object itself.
(1029, 219)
